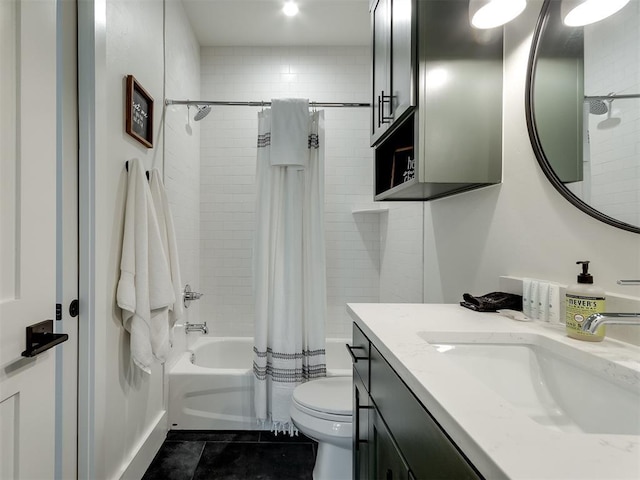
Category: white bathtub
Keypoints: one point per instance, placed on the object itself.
(212, 388)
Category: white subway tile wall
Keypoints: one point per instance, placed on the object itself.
(227, 183)
(612, 66)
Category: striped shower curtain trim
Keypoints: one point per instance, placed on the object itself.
(290, 375)
(264, 140)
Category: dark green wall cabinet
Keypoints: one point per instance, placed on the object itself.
(393, 40)
(395, 436)
(436, 122)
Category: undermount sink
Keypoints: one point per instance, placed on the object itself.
(555, 384)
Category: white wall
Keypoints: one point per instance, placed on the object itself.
(128, 404)
(522, 227)
(129, 408)
(182, 149)
(401, 263)
(336, 74)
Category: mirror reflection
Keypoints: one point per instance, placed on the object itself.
(586, 109)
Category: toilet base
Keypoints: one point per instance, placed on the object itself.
(332, 463)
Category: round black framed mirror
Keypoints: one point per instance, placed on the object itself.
(583, 111)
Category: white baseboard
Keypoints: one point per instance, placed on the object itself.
(147, 448)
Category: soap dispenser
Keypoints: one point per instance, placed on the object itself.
(581, 300)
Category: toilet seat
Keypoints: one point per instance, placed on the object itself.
(327, 398)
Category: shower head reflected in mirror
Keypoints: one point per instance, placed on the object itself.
(203, 111)
(598, 107)
(610, 122)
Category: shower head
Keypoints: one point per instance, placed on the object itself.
(598, 107)
(203, 111)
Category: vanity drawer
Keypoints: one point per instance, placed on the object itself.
(428, 450)
(359, 350)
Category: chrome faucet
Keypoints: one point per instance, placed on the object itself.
(594, 321)
(189, 296)
(196, 327)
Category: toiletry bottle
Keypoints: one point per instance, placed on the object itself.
(581, 300)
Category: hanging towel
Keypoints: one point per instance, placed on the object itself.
(144, 291)
(290, 132)
(168, 236)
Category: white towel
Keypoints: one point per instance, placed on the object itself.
(168, 236)
(144, 290)
(290, 132)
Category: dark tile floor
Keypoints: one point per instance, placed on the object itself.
(233, 455)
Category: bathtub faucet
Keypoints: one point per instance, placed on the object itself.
(196, 327)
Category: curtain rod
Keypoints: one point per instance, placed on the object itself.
(263, 104)
(612, 96)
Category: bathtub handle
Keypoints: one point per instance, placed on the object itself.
(351, 348)
(189, 296)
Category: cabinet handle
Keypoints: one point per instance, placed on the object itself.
(351, 348)
(385, 99)
(357, 419)
(379, 111)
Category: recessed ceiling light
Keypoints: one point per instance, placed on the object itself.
(290, 9)
(576, 13)
(494, 13)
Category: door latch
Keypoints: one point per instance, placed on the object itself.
(74, 308)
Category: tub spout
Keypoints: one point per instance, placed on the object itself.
(196, 327)
(594, 321)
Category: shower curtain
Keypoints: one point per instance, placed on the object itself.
(289, 273)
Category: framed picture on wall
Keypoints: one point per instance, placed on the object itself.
(403, 167)
(139, 112)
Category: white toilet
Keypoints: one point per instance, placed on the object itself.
(323, 410)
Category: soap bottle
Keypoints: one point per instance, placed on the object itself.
(581, 300)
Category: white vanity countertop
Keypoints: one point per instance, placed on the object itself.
(499, 440)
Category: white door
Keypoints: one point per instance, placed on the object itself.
(27, 235)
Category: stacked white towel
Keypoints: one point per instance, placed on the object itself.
(290, 132)
(168, 236)
(144, 291)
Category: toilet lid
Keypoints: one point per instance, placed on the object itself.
(330, 395)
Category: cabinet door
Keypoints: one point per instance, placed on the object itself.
(403, 53)
(381, 40)
(361, 408)
(426, 447)
(386, 461)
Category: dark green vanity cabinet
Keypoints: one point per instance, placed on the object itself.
(395, 437)
(361, 403)
(439, 132)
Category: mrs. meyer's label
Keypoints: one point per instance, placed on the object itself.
(578, 309)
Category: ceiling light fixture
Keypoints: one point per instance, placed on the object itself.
(494, 13)
(576, 13)
(290, 9)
